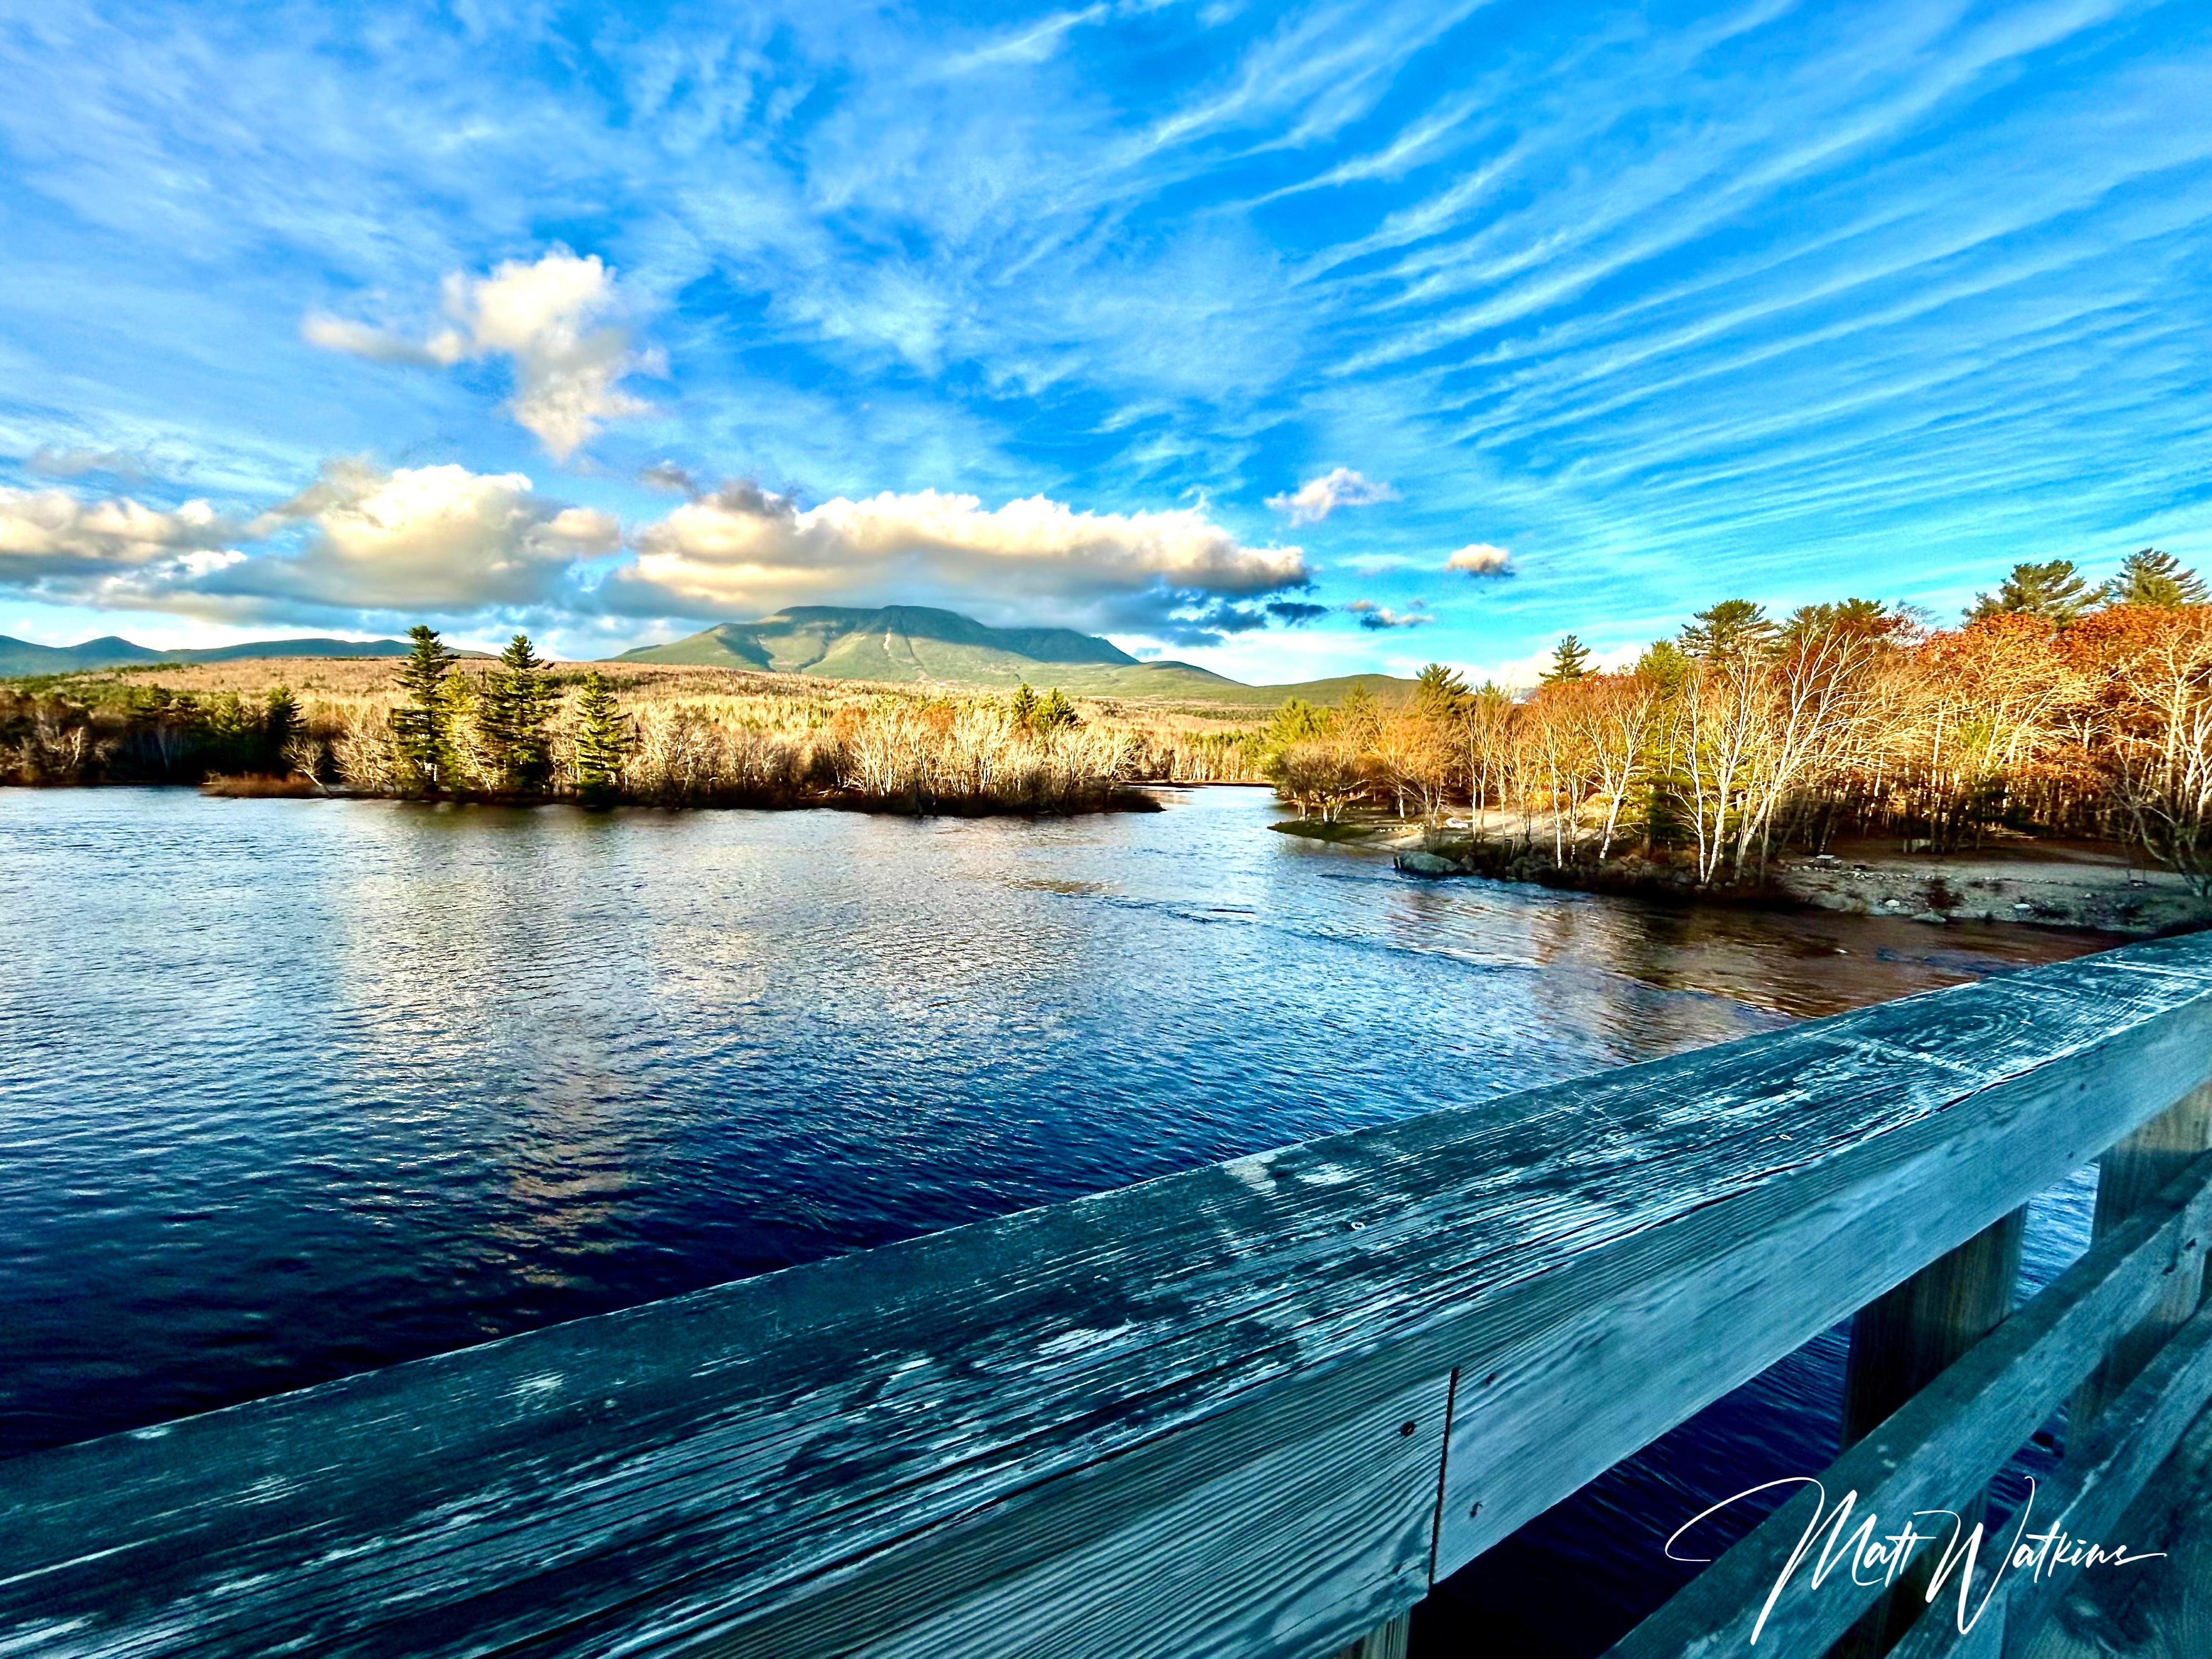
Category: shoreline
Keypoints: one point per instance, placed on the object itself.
(2073, 886)
(1120, 798)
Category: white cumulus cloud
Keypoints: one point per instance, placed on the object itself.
(1317, 498)
(435, 539)
(746, 551)
(368, 543)
(550, 318)
(438, 538)
(1480, 559)
(49, 534)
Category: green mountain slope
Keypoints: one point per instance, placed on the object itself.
(22, 657)
(896, 642)
(917, 644)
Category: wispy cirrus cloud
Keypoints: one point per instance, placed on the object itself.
(1729, 300)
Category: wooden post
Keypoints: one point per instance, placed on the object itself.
(2127, 1174)
(1383, 1642)
(1901, 1342)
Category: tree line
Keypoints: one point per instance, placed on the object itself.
(518, 728)
(2056, 706)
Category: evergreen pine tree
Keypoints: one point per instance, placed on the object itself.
(2053, 591)
(281, 726)
(1024, 707)
(1730, 627)
(2154, 578)
(1055, 711)
(1439, 692)
(1663, 812)
(1571, 662)
(602, 741)
(419, 727)
(517, 702)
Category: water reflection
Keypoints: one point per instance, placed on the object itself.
(295, 1088)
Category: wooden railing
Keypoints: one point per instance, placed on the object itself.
(1256, 1409)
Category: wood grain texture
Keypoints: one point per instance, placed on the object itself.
(2162, 1610)
(1632, 1338)
(1902, 1341)
(2127, 1174)
(1942, 1447)
(943, 1443)
(2089, 1499)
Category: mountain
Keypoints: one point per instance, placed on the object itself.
(22, 657)
(914, 644)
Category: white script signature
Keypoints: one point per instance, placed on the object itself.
(1876, 1558)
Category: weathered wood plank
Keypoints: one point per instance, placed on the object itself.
(1902, 1341)
(2085, 1499)
(1727, 1290)
(2127, 1174)
(850, 1456)
(2164, 1609)
(1941, 1446)
(1909, 1335)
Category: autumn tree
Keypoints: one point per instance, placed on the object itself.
(2152, 668)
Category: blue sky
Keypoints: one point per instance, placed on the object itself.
(612, 322)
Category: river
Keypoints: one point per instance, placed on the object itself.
(293, 1089)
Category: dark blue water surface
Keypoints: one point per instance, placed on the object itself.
(290, 1089)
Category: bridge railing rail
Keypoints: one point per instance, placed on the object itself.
(1256, 1409)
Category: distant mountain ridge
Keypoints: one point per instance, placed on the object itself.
(900, 644)
(914, 644)
(891, 642)
(22, 657)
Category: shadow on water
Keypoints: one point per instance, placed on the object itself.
(299, 1088)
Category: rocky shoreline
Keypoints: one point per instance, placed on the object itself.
(2071, 884)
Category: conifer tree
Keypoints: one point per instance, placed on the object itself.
(2052, 591)
(516, 701)
(280, 725)
(1055, 711)
(2154, 578)
(1023, 707)
(1439, 692)
(1570, 661)
(420, 725)
(1732, 628)
(602, 741)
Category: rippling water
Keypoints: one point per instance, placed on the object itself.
(296, 1088)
